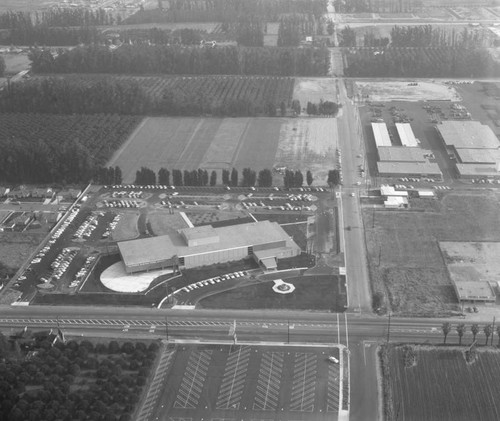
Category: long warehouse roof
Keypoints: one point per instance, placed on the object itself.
(406, 135)
(405, 168)
(381, 134)
(402, 154)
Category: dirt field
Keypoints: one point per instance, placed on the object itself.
(314, 90)
(216, 144)
(308, 144)
(405, 261)
(25, 5)
(401, 91)
(443, 386)
(476, 261)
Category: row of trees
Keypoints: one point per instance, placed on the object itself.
(126, 97)
(2, 66)
(163, 59)
(431, 36)
(55, 17)
(108, 175)
(201, 177)
(226, 10)
(421, 62)
(323, 108)
(487, 329)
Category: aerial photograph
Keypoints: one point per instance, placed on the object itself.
(249, 210)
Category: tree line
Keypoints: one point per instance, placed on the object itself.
(225, 10)
(165, 59)
(2, 66)
(475, 329)
(200, 177)
(55, 17)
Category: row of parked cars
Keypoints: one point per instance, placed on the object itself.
(62, 262)
(133, 186)
(129, 194)
(212, 281)
(112, 226)
(82, 273)
(121, 204)
(88, 226)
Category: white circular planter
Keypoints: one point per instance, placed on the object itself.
(283, 287)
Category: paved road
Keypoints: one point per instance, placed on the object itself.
(351, 146)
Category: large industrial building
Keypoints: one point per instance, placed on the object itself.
(408, 160)
(475, 147)
(265, 241)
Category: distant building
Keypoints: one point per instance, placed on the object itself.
(409, 169)
(467, 135)
(402, 154)
(381, 135)
(406, 135)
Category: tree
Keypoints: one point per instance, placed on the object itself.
(164, 177)
(234, 177)
(225, 177)
(446, 328)
(249, 31)
(2, 66)
(347, 37)
(460, 331)
(213, 178)
(177, 177)
(283, 108)
(488, 330)
(296, 106)
(265, 178)
(498, 334)
(118, 176)
(298, 179)
(309, 178)
(475, 330)
(333, 178)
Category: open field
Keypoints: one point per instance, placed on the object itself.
(126, 229)
(442, 386)
(15, 63)
(16, 247)
(405, 262)
(402, 91)
(25, 5)
(217, 144)
(255, 382)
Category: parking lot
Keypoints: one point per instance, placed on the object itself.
(242, 382)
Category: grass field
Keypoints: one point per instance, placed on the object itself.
(442, 386)
(217, 144)
(405, 262)
(325, 293)
(126, 229)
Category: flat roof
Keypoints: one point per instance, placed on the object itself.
(468, 134)
(415, 168)
(473, 290)
(145, 251)
(401, 153)
(381, 134)
(406, 135)
(386, 190)
(481, 170)
(479, 156)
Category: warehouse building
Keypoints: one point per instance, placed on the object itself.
(381, 135)
(409, 169)
(467, 135)
(474, 291)
(402, 154)
(478, 156)
(406, 135)
(481, 171)
(265, 241)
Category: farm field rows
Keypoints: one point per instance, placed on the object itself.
(405, 261)
(216, 144)
(442, 386)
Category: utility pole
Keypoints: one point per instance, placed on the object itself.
(288, 332)
(493, 330)
(166, 326)
(389, 328)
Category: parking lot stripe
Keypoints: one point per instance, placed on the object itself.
(233, 382)
(194, 377)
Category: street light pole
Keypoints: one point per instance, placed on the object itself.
(166, 326)
(288, 332)
(389, 328)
